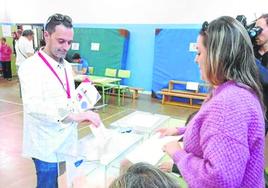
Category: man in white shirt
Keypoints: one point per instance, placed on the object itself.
(24, 47)
(48, 92)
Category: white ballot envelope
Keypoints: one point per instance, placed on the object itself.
(102, 139)
(100, 132)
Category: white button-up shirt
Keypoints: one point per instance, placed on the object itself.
(22, 47)
(45, 102)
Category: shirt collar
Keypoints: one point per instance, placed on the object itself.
(53, 63)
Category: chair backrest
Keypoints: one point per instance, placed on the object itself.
(123, 73)
(110, 72)
(91, 70)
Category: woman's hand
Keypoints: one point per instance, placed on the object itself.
(168, 131)
(166, 166)
(171, 147)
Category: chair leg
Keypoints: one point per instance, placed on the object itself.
(103, 95)
(109, 92)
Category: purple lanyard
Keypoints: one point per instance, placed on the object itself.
(54, 72)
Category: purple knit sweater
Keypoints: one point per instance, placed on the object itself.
(224, 142)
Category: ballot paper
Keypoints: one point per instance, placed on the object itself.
(150, 150)
(86, 96)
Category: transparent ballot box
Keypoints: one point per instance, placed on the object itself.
(140, 122)
(92, 162)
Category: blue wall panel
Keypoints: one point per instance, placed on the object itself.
(172, 58)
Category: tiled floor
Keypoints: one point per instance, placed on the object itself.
(18, 172)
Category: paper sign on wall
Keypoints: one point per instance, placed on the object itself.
(75, 46)
(192, 47)
(192, 86)
(95, 46)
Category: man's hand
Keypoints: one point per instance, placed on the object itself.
(88, 116)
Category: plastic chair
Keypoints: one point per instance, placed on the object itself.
(110, 72)
(124, 74)
(107, 88)
(91, 70)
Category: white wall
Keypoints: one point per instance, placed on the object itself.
(129, 11)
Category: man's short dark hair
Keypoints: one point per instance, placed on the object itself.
(76, 56)
(27, 33)
(58, 19)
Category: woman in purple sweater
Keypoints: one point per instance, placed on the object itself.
(224, 142)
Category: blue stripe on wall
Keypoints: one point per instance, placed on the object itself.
(141, 49)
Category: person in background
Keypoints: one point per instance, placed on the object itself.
(224, 142)
(16, 36)
(143, 175)
(261, 40)
(83, 64)
(261, 53)
(42, 43)
(24, 47)
(68, 57)
(5, 59)
(48, 95)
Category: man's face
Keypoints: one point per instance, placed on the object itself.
(30, 37)
(262, 38)
(59, 42)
